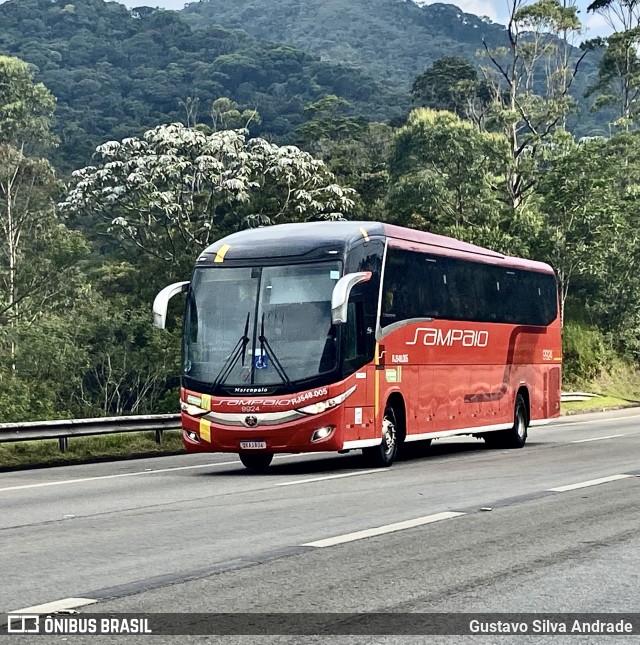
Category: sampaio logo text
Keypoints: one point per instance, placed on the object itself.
(431, 337)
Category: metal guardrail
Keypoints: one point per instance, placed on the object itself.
(577, 396)
(63, 429)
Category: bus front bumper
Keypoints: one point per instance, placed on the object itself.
(320, 432)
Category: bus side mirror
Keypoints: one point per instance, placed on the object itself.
(340, 295)
(161, 302)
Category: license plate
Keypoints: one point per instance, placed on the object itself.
(253, 445)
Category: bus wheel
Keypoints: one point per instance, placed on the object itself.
(516, 436)
(384, 455)
(258, 461)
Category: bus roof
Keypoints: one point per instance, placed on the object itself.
(312, 240)
(308, 240)
(449, 246)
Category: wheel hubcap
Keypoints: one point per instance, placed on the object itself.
(388, 435)
(521, 428)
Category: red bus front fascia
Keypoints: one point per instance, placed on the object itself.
(229, 420)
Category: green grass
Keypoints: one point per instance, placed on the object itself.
(617, 383)
(597, 404)
(85, 449)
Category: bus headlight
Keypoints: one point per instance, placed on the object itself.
(192, 410)
(322, 433)
(327, 404)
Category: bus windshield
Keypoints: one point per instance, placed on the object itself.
(260, 325)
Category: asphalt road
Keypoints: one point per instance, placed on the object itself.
(201, 534)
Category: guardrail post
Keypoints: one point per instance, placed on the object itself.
(63, 443)
(158, 436)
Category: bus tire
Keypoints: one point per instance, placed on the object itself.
(516, 436)
(384, 455)
(258, 461)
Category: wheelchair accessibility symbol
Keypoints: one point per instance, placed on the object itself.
(261, 362)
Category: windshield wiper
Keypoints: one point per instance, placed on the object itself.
(240, 350)
(264, 345)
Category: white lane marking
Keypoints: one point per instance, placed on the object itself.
(381, 530)
(611, 436)
(64, 482)
(561, 424)
(134, 474)
(56, 605)
(321, 479)
(591, 482)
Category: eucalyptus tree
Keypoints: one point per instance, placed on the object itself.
(618, 82)
(531, 79)
(37, 252)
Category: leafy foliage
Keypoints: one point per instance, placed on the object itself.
(584, 352)
(393, 42)
(117, 73)
(452, 83)
(445, 178)
(489, 159)
(581, 211)
(618, 83)
(38, 254)
(178, 189)
(26, 108)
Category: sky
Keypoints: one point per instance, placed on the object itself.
(497, 10)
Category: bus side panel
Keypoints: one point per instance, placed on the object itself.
(553, 393)
(536, 365)
(426, 409)
(359, 417)
(450, 384)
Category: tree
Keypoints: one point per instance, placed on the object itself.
(531, 81)
(361, 162)
(581, 213)
(612, 295)
(452, 84)
(124, 365)
(618, 82)
(175, 190)
(330, 118)
(226, 115)
(26, 107)
(445, 178)
(37, 252)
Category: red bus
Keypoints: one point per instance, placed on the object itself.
(336, 336)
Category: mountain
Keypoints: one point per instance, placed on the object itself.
(116, 72)
(395, 40)
(392, 41)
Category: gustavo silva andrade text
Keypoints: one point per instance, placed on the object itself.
(545, 626)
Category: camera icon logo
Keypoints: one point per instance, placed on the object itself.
(23, 624)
